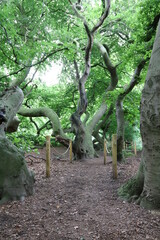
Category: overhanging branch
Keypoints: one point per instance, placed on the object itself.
(43, 59)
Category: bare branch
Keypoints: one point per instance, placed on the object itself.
(100, 65)
(10, 43)
(34, 86)
(103, 17)
(31, 78)
(74, 7)
(43, 59)
(134, 80)
(44, 126)
(13, 60)
(111, 68)
(35, 124)
(77, 70)
(18, 81)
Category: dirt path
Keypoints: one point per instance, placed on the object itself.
(78, 202)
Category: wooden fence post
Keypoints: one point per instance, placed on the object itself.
(114, 155)
(70, 151)
(48, 153)
(105, 151)
(135, 149)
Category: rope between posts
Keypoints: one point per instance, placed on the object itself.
(61, 154)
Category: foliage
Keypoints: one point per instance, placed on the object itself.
(31, 31)
(22, 140)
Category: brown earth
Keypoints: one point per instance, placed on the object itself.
(78, 202)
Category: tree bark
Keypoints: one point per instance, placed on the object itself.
(83, 138)
(134, 187)
(113, 83)
(98, 115)
(120, 112)
(16, 181)
(150, 129)
(103, 125)
(111, 68)
(44, 112)
(149, 195)
(120, 128)
(10, 101)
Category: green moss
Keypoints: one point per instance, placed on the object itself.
(16, 181)
(149, 202)
(131, 190)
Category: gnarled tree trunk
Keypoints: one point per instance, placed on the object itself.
(120, 112)
(16, 181)
(83, 144)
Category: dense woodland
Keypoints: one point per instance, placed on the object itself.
(104, 48)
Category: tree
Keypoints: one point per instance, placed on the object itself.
(83, 142)
(16, 181)
(31, 37)
(140, 45)
(120, 111)
(145, 186)
(99, 110)
(23, 45)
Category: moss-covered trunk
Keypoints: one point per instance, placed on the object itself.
(16, 181)
(83, 145)
(132, 190)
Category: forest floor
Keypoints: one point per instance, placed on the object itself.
(78, 202)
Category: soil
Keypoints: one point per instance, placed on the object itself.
(78, 202)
